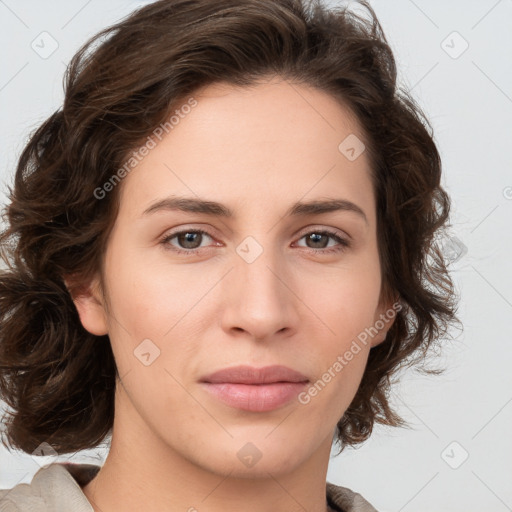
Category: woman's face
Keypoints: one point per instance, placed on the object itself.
(261, 287)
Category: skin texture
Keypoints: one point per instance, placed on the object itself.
(257, 150)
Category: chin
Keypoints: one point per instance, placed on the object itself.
(248, 459)
(275, 465)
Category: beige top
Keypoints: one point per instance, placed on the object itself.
(58, 488)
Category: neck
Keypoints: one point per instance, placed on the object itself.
(133, 483)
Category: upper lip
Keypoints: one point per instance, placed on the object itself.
(250, 375)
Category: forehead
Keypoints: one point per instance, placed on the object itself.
(268, 142)
(273, 104)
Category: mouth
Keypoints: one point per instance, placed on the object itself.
(255, 389)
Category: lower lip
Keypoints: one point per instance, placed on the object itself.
(255, 397)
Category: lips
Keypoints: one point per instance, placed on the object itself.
(252, 375)
(255, 389)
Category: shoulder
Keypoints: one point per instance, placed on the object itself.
(347, 500)
(54, 487)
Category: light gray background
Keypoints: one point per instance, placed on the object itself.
(468, 98)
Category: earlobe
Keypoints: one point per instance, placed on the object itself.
(90, 306)
(384, 319)
(379, 338)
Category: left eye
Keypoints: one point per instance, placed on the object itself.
(316, 238)
(190, 241)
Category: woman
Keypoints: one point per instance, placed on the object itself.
(221, 248)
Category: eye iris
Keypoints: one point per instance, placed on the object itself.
(315, 237)
(186, 238)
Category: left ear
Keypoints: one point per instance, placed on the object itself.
(384, 317)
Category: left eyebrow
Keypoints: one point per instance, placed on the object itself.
(331, 205)
(194, 205)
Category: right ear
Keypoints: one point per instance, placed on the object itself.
(89, 303)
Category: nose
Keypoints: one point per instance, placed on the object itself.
(260, 302)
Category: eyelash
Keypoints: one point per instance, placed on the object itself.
(343, 244)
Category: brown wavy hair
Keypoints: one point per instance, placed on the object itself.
(58, 379)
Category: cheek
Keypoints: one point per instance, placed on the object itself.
(152, 332)
(345, 307)
(153, 300)
(344, 300)
(339, 370)
(137, 320)
(330, 395)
